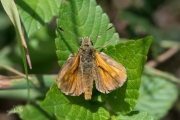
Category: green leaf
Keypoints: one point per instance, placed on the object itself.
(35, 13)
(70, 107)
(135, 115)
(82, 18)
(157, 95)
(11, 10)
(132, 55)
(31, 112)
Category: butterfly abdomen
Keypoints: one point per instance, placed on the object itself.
(87, 66)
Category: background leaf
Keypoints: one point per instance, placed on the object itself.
(35, 13)
(132, 55)
(157, 95)
(135, 115)
(68, 107)
(11, 10)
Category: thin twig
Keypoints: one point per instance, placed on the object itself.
(14, 71)
(163, 57)
(157, 72)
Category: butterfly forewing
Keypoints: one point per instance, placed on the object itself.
(69, 78)
(109, 73)
(116, 66)
(79, 72)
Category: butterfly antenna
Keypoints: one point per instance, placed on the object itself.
(104, 31)
(68, 33)
(104, 45)
(100, 36)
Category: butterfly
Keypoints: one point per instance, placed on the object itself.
(79, 72)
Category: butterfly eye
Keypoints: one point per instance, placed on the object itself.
(80, 43)
(91, 43)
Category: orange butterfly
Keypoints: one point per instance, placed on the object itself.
(80, 70)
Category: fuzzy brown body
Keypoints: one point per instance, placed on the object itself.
(78, 73)
(86, 65)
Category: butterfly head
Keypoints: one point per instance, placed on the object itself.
(86, 41)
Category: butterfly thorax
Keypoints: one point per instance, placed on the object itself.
(87, 56)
